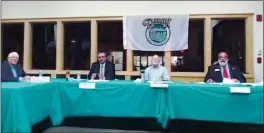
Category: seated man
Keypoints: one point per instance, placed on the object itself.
(156, 72)
(218, 71)
(11, 71)
(103, 69)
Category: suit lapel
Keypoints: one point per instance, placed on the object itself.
(219, 72)
(230, 70)
(105, 71)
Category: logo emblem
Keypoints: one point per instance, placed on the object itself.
(158, 30)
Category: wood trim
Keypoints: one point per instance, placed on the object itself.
(60, 46)
(27, 59)
(94, 45)
(207, 43)
(129, 62)
(167, 60)
(249, 46)
(106, 18)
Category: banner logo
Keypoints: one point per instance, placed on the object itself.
(158, 30)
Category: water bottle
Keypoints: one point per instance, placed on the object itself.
(142, 74)
(78, 75)
(40, 73)
(67, 75)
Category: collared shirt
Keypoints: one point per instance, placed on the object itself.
(227, 69)
(13, 69)
(102, 69)
(158, 73)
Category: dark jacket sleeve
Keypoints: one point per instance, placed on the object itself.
(91, 71)
(23, 74)
(240, 75)
(111, 72)
(207, 76)
(5, 77)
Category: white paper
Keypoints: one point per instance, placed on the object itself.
(239, 90)
(156, 85)
(228, 81)
(87, 85)
(95, 80)
(137, 80)
(40, 79)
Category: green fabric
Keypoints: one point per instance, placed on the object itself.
(24, 104)
(112, 99)
(215, 103)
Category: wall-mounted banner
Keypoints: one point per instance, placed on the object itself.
(156, 33)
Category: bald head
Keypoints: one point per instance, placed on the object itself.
(13, 58)
(155, 60)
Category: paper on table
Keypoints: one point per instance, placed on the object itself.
(87, 85)
(228, 81)
(137, 80)
(156, 85)
(97, 80)
(239, 90)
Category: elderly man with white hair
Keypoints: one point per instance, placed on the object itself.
(156, 72)
(11, 71)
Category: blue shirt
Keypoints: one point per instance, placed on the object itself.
(159, 73)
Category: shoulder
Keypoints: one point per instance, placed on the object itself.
(232, 66)
(148, 68)
(163, 67)
(109, 63)
(4, 63)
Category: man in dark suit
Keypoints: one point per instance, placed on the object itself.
(11, 71)
(102, 69)
(222, 69)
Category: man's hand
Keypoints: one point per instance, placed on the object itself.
(101, 77)
(93, 75)
(236, 81)
(210, 81)
(26, 78)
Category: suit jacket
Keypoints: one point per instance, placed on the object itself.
(109, 72)
(217, 75)
(7, 74)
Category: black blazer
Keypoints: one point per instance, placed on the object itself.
(109, 72)
(7, 74)
(217, 75)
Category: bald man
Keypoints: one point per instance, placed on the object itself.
(222, 69)
(156, 72)
(11, 71)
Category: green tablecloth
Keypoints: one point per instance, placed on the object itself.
(24, 104)
(215, 103)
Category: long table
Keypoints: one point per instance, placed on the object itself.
(24, 104)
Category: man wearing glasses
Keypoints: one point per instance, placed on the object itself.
(222, 69)
(102, 69)
(11, 71)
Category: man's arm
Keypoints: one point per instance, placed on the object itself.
(146, 74)
(7, 78)
(111, 75)
(240, 75)
(208, 74)
(166, 75)
(91, 71)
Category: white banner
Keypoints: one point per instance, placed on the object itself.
(156, 33)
